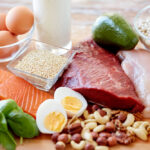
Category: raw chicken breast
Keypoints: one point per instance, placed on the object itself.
(136, 64)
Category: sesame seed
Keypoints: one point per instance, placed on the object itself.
(42, 63)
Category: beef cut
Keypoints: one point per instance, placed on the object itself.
(98, 76)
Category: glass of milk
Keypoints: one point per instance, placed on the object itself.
(53, 22)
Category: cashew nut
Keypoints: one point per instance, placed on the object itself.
(91, 116)
(108, 111)
(86, 114)
(78, 146)
(140, 130)
(86, 135)
(101, 148)
(129, 121)
(91, 125)
(100, 119)
(82, 124)
(99, 128)
(90, 120)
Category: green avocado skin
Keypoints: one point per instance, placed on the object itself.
(114, 33)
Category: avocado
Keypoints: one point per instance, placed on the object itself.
(114, 33)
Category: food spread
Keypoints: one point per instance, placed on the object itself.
(100, 101)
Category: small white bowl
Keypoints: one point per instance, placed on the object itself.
(142, 15)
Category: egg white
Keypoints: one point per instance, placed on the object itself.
(63, 92)
(44, 109)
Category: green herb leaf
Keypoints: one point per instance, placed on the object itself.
(6, 139)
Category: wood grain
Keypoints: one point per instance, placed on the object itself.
(84, 13)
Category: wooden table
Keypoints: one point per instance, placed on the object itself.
(84, 13)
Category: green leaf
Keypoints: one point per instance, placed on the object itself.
(6, 139)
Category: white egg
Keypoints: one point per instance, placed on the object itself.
(74, 100)
(47, 107)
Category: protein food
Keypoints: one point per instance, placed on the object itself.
(3, 22)
(73, 102)
(19, 20)
(135, 65)
(51, 116)
(26, 95)
(20, 123)
(98, 76)
(42, 63)
(93, 131)
(113, 32)
(7, 38)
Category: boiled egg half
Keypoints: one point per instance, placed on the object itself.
(51, 117)
(73, 102)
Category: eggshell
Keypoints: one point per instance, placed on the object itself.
(19, 20)
(6, 38)
(3, 22)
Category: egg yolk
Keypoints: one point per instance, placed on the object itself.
(71, 104)
(54, 121)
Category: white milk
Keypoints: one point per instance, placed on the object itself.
(53, 21)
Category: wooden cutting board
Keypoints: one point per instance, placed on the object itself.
(84, 13)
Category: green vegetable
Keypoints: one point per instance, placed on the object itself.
(6, 139)
(22, 124)
(6, 106)
(114, 33)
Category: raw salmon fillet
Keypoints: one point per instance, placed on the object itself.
(26, 95)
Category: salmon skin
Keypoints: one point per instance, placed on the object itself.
(26, 95)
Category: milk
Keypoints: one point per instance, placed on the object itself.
(53, 22)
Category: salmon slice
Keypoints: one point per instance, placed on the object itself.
(26, 95)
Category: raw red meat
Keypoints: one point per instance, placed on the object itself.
(98, 75)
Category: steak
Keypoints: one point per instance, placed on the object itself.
(98, 76)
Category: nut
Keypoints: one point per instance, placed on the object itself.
(94, 108)
(105, 134)
(75, 128)
(89, 147)
(76, 138)
(129, 121)
(86, 114)
(101, 141)
(86, 135)
(110, 127)
(89, 120)
(91, 125)
(63, 138)
(112, 141)
(91, 116)
(78, 146)
(122, 116)
(99, 128)
(140, 129)
(54, 137)
(101, 148)
(100, 119)
(124, 138)
(102, 112)
(60, 146)
(94, 135)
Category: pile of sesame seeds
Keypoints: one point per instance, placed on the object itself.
(42, 63)
(144, 26)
